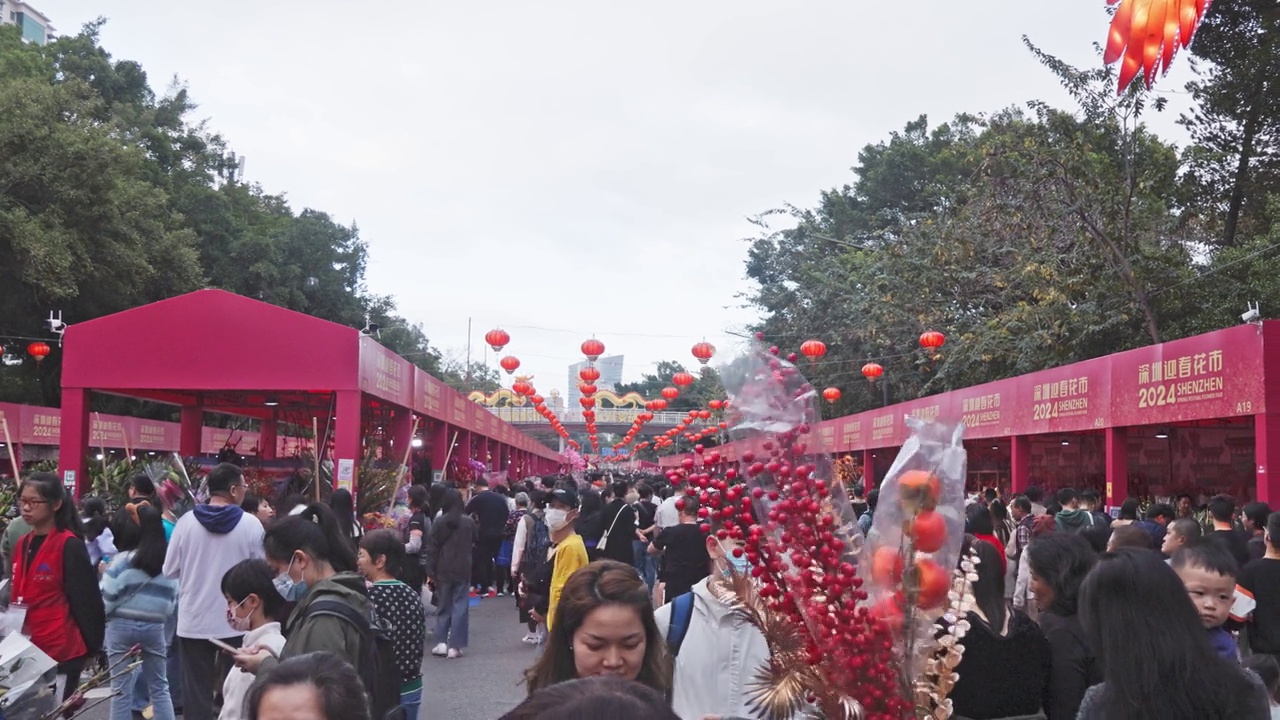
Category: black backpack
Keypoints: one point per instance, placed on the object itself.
(377, 666)
(537, 542)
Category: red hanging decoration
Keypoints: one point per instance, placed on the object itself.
(659, 404)
(1147, 34)
(670, 393)
(587, 389)
(932, 340)
(715, 404)
(38, 350)
(813, 349)
(593, 349)
(831, 394)
(683, 379)
(589, 374)
(497, 339)
(703, 351)
(872, 371)
(509, 363)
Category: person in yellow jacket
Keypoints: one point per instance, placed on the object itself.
(568, 553)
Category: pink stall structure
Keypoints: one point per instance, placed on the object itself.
(1198, 415)
(215, 351)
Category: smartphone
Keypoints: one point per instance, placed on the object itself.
(224, 646)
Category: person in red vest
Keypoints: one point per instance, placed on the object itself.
(54, 583)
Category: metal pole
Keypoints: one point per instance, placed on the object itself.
(468, 353)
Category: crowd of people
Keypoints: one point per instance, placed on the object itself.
(244, 607)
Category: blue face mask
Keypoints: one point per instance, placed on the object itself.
(291, 590)
(738, 564)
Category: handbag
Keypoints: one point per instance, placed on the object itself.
(605, 537)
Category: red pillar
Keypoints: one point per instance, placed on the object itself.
(1117, 449)
(74, 442)
(346, 445)
(439, 444)
(1266, 454)
(869, 470)
(267, 438)
(1019, 464)
(190, 430)
(401, 433)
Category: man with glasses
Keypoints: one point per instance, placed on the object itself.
(206, 543)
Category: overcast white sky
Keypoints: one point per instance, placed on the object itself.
(568, 168)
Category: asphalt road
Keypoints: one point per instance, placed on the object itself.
(481, 685)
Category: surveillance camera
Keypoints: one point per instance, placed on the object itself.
(1250, 315)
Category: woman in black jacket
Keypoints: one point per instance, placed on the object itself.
(619, 526)
(448, 567)
(1059, 563)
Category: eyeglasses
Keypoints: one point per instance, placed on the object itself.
(24, 502)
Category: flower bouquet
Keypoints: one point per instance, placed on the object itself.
(853, 626)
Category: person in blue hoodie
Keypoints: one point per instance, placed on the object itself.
(1208, 571)
(206, 543)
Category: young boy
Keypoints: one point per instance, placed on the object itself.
(1208, 571)
(1178, 534)
(254, 607)
(399, 607)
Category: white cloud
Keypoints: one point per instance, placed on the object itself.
(580, 166)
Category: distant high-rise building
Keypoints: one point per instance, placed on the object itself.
(34, 25)
(610, 377)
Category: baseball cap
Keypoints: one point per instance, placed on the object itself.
(567, 496)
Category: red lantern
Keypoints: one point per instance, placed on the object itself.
(715, 404)
(813, 349)
(683, 379)
(537, 399)
(38, 350)
(704, 414)
(932, 340)
(831, 394)
(593, 349)
(703, 352)
(589, 374)
(587, 389)
(521, 388)
(659, 404)
(670, 393)
(587, 402)
(509, 363)
(872, 371)
(497, 339)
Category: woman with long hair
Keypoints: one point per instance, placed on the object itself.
(415, 535)
(1058, 563)
(139, 601)
(1156, 657)
(344, 510)
(98, 538)
(448, 567)
(51, 569)
(979, 523)
(1004, 671)
(604, 625)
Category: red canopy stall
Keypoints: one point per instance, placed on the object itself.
(1202, 412)
(215, 351)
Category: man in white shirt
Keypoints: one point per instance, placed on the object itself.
(720, 654)
(667, 515)
(206, 543)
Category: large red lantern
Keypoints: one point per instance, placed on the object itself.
(589, 374)
(670, 393)
(813, 349)
(704, 414)
(537, 399)
(38, 350)
(509, 363)
(831, 394)
(703, 351)
(593, 349)
(587, 402)
(659, 404)
(715, 404)
(497, 339)
(932, 340)
(683, 379)
(587, 389)
(521, 388)
(872, 371)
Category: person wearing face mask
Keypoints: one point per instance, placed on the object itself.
(313, 560)
(254, 607)
(716, 651)
(139, 600)
(568, 553)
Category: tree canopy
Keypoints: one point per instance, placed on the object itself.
(1036, 236)
(112, 196)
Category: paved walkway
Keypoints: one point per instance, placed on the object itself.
(482, 685)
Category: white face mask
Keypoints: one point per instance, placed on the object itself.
(556, 518)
